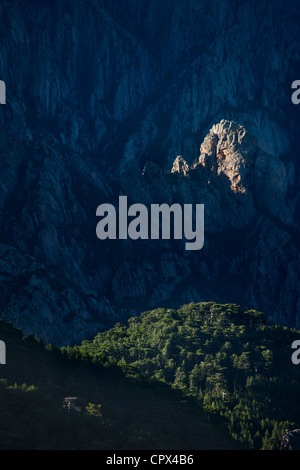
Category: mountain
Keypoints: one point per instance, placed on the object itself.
(165, 102)
(54, 399)
(205, 376)
(225, 358)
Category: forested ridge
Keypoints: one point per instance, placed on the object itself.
(205, 376)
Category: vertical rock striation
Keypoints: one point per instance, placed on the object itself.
(101, 98)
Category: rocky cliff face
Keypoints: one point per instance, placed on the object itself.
(101, 99)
